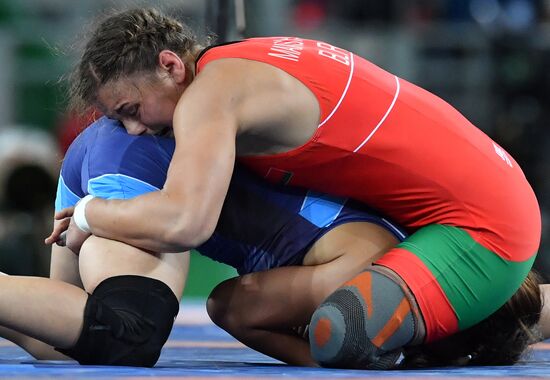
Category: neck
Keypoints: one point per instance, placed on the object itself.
(190, 61)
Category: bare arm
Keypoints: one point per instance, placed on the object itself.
(185, 212)
(64, 266)
(64, 263)
(272, 112)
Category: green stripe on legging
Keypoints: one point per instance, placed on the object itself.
(475, 280)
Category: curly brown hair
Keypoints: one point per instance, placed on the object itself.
(123, 44)
(501, 339)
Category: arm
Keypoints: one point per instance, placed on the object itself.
(230, 97)
(64, 266)
(185, 212)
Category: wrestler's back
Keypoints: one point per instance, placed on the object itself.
(388, 143)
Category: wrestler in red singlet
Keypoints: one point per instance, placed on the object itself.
(474, 219)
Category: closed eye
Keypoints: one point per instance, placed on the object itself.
(132, 110)
(126, 110)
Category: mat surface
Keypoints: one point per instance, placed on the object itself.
(199, 350)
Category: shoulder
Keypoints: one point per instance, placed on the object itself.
(224, 71)
(76, 154)
(248, 89)
(238, 70)
(89, 140)
(95, 136)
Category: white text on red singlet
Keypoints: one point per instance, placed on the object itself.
(290, 48)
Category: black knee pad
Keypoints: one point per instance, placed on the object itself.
(127, 320)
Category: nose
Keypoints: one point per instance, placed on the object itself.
(134, 127)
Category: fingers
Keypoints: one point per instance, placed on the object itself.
(50, 240)
(59, 227)
(53, 238)
(65, 213)
(62, 241)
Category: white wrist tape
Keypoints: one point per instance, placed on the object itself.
(79, 214)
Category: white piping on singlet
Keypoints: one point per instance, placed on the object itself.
(93, 180)
(351, 70)
(383, 118)
(394, 228)
(67, 187)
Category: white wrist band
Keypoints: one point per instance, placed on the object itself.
(79, 214)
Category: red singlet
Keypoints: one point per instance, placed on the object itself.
(396, 147)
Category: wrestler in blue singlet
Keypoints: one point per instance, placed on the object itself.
(261, 226)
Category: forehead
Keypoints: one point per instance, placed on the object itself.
(115, 92)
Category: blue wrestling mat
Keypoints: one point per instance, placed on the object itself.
(197, 349)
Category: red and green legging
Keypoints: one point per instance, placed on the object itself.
(435, 283)
(455, 280)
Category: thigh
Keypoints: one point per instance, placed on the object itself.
(455, 280)
(287, 296)
(102, 258)
(345, 251)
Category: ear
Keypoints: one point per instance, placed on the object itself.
(172, 64)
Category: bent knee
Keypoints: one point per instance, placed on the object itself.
(218, 305)
(364, 324)
(127, 320)
(233, 306)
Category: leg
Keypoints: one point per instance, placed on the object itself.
(38, 349)
(52, 312)
(261, 309)
(133, 299)
(102, 258)
(365, 323)
(64, 267)
(455, 281)
(41, 308)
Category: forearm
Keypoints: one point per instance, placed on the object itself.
(153, 222)
(285, 346)
(185, 212)
(64, 266)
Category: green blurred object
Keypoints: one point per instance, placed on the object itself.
(6, 12)
(204, 275)
(39, 97)
(38, 105)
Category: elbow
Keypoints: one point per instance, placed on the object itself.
(186, 234)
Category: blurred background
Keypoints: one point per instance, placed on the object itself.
(489, 58)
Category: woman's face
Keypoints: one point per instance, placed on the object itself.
(144, 103)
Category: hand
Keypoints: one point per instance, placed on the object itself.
(61, 224)
(75, 237)
(65, 232)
